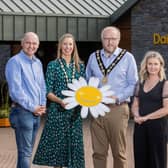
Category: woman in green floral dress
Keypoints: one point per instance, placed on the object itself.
(61, 143)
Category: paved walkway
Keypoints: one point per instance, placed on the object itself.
(8, 147)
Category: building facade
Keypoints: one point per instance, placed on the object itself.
(143, 25)
(149, 28)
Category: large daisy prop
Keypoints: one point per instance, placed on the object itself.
(89, 96)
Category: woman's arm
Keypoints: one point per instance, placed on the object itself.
(135, 107)
(135, 110)
(135, 104)
(52, 97)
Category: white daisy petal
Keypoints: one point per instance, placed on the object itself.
(82, 81)
(108, 93)
(71, 105)
(103, 107)
(108, 100)
(76, 83)
(69, 100)
(100, 111)
(105, 88)
(93, 82)
(68, 93)
(84, 112)
(93, 112)
(72, 86)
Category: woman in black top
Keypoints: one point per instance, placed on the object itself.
(150, 107)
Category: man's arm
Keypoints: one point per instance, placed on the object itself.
(13, 74)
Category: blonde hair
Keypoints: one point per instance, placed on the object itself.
(143, 68)
(75, 54)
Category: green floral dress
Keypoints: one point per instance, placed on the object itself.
(61, 142)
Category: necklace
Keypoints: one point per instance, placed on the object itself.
(106, 71)
(68, 80)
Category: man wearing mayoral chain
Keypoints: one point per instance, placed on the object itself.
(116, 67)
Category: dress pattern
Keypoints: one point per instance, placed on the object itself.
(61, 142)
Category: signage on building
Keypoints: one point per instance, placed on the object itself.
(160, 39)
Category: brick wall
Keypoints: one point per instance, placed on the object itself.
(149, 17)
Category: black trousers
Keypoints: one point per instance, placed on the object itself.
(150, 144)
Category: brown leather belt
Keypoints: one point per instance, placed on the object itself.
(124, 102)
(120, 104)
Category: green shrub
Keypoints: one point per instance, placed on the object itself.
(4, 103)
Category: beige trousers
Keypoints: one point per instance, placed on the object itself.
(110, 130)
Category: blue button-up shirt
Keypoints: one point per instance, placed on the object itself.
(26, 81)
(122, 78)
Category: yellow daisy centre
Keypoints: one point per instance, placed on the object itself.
(88, 96)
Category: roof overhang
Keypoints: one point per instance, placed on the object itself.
(125, 7)
(51, 18)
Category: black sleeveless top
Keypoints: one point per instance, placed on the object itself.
(152, 100)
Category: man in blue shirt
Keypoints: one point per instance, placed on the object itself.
(27, 90)
(117, 68)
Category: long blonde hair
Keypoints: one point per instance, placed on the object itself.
(75, 54)
(143, 68)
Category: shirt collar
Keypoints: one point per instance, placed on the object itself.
(26, 57)
(115, 53)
